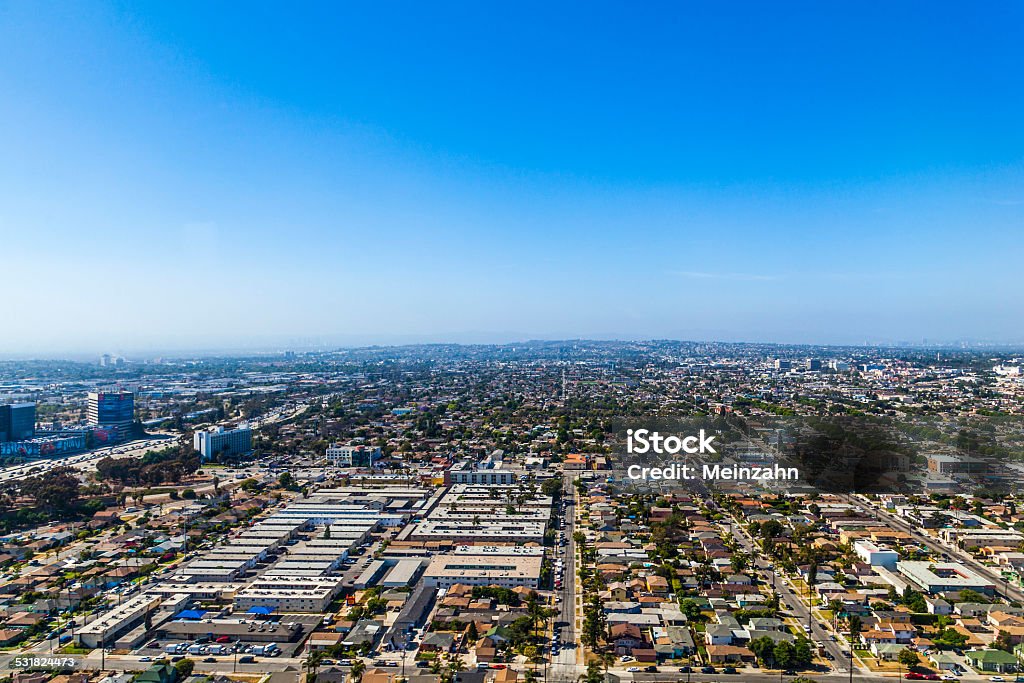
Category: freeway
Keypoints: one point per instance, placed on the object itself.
(81, 461)
(87, 460)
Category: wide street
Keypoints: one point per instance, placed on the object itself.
(565, 665)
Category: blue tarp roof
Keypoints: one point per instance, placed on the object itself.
(191, 614)
(260, 609)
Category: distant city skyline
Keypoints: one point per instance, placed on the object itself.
(191, 177)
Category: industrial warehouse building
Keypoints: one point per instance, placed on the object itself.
(507, 571)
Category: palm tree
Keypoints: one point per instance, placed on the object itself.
(311, 664)
(455, 665)
(835, 607)
(358, 667)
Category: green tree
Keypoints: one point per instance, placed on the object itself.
(783, 655)
(55, 491)
(551, 487)
(803, 655)
(691, 609)
(183, 669)
(949, 638)
(595, 622)
(855, 627)
(763, 648)
(593, 674)
(908, 658)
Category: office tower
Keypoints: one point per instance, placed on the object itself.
(111, 408)
(17, 421)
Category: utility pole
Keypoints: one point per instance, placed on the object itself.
(810, 611)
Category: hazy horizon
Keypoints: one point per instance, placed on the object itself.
(269, 347)
(187, 176)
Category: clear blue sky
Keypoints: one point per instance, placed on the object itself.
(225, 174)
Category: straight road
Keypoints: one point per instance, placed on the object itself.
(787, 594)
(564, 666)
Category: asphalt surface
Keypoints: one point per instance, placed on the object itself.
(564, 667)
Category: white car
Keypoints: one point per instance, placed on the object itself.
(996, 679)
(633, 669)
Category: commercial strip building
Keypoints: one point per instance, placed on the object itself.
(311, 567)
(369, 576)
(211, 569)
(942, 577)
(313, 513)
(506, 571)
(471, 495)
(968, 538)
(195, 591)
(493, 530)
(282, 593)
(352, 456)
(245, 630)
(956, 464)
(404, 573)
(105, 629)
(384, 493)
(471, 473)
(500, 550)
